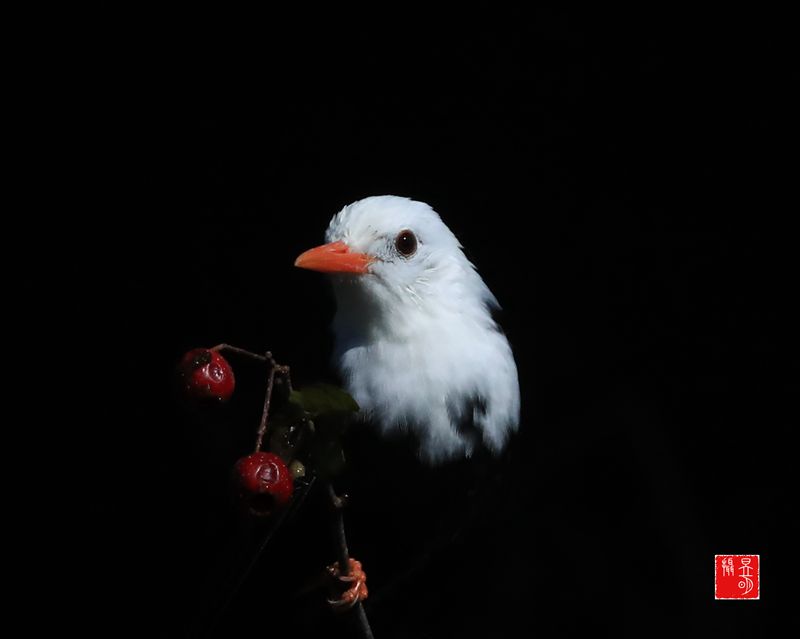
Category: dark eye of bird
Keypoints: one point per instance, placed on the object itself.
(406, 243)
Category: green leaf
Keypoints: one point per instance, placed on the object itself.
(323, 399)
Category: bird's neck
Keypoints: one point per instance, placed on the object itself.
(365, 316)
(362, 316)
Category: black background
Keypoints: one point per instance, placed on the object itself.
(615, 177)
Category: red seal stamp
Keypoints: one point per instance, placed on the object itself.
(737, 577)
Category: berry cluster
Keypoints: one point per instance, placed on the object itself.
(262, 481)
(308, 426)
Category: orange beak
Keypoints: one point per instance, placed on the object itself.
(334, 258)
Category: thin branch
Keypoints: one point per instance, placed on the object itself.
(262, 427)
(337, 504)
(274, 368)
(339, 533)
(227, 348)
(284, 370)
(363, 621)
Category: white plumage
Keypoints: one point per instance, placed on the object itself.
(415, 340)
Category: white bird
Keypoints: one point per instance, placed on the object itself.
(415, 341)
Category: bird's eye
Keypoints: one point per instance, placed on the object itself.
(406, 243)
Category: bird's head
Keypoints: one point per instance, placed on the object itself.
(393, 258)
(416, 344)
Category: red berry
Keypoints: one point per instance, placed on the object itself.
(206, 375)
(263, 482)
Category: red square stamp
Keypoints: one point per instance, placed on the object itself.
(737, 577)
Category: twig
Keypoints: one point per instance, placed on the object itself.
(262, 427)
(240, 351)
(337, 504)
(274, 368)
(339, 533)
(363, 622)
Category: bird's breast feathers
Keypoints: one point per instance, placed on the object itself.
(454, 389)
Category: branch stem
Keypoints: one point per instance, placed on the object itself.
(262, 427)
(337, 505)
(338, 531)
(227, 348)
(274, 369)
